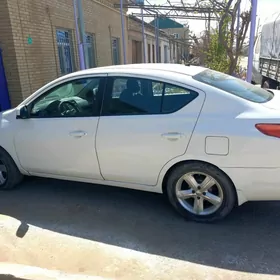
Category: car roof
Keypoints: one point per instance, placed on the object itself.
(169, 67)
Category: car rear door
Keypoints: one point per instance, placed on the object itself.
(134, 141)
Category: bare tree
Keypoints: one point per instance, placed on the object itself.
(229, 37)
(228, 20)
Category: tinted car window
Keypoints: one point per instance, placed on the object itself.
(77, 98)
(176, 98)
(234, 86)
(136, 96)
(132, 96)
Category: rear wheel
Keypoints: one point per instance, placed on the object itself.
(201, 192)
(10, 176)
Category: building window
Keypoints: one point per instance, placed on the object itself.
(90, 53)
(115, 51)
(65, 51)
(153, 50)
(159, 54)
(176, 36)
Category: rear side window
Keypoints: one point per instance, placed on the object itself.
(234, 86)
(136, 96)
(175, 98)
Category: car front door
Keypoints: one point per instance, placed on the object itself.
(58, 137)
(144, 124)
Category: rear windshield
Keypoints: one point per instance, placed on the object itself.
(234, 86)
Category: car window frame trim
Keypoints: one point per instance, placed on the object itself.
(102, 76)
(113, 75)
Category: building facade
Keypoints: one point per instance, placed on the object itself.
(177, 31)
(168, 49)
(38, 41)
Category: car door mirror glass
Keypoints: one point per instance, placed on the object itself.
(23, 113)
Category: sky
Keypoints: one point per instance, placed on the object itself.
(266, 8)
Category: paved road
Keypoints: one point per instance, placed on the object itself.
(112, 232)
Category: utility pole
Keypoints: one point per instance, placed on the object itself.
(156, 41)
(143, 36)
(123, 33)
(80, 31)
(158, 54)
(252, 41)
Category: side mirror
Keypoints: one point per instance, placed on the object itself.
(22, 113)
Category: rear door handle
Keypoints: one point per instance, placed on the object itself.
(78, 134)
(172, 136)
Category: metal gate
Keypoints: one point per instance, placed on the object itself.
(5, 103)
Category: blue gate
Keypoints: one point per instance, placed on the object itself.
(5, 103)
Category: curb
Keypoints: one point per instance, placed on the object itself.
(21, 272)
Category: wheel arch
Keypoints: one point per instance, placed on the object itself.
(14, 158)
(5, 151)
(174, 166)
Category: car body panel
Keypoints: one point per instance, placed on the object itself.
(8, 127)
(47, 146)
(132, 146)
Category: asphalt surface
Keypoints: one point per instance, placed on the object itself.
(101, 228)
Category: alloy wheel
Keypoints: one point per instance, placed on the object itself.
(199, 193)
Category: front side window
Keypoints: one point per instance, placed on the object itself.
(234, 86)
(78, 98)
(137, 96)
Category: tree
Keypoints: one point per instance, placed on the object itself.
(230, 38)
(225, 43)
(216, 54)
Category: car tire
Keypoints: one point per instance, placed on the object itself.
(269, 84)
(10, 175)
(190, 198)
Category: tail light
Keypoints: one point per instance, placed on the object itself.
(270, 129)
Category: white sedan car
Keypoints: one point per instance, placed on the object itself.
(205, 139)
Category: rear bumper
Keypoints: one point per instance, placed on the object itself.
(255, 183)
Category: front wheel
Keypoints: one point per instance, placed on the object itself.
(201, 192)
(10, 176)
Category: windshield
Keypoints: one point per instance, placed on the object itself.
(234, 86)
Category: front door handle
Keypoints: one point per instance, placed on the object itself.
(78, 134)
(172, 136)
